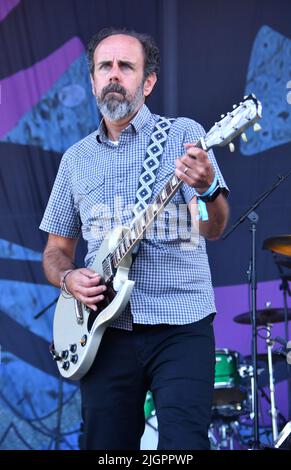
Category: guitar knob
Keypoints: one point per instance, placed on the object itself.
(65, 365)
(65, 354)
(73, 348)
(74, 358)
(231, 146)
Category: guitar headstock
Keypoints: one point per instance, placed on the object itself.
(247, 113)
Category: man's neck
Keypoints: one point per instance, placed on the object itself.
(114, 128)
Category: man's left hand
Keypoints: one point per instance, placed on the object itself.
(195, 168)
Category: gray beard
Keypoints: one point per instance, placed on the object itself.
(114, 109)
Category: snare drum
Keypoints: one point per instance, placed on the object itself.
(229, 395)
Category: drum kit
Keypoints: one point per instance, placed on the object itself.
(234, 388)
(233, 400)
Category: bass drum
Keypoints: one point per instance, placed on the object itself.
(230, 396)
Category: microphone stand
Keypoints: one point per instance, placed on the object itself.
(254, 218)
(42, 311)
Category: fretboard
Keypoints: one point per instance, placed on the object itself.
(143, 221)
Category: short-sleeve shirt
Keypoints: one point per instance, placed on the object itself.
(97, 181)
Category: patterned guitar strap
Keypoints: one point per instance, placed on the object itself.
(150, 166)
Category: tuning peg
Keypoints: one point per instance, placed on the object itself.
(244, 137)
(231, 147)
(222, 116)
(234, 106)
(245, 97)
(257, 127)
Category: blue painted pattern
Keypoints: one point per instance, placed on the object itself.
(268, 75)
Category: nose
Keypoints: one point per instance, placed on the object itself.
(114, 73)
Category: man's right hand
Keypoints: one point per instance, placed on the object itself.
(84, 285)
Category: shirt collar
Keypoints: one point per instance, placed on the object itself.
(137, 123)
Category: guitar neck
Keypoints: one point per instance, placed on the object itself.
(143, 221)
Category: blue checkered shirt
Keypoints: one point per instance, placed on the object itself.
(98, 179)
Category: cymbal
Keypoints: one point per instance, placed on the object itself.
(268, 315)
(263, 357)
(280, 244)
(286, 263)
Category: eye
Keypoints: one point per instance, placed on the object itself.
(104, 66)
(126, 66)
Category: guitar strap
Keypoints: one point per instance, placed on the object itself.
(150, 167)
(151, 163)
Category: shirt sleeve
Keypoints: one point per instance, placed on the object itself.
(61, 217)
(193, 133)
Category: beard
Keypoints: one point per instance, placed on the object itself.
(120, 105)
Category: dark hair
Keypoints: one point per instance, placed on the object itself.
(150, 49)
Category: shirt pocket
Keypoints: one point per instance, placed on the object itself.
(89, 196)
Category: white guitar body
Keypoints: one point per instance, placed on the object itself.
(76, 341)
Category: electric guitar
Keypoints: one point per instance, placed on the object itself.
(77, 329)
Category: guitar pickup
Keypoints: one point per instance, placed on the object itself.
(107, 269)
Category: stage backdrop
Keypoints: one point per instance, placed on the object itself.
(212, 55)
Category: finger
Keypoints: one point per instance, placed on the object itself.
(89, 282)
(91, 301)
(93, 291)
(88, 272)
(197, 153)
(188, 145)
(187, 165)
(184, 177)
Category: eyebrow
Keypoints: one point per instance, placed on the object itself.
(120, 62)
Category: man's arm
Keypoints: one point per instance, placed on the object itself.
(83, 283)
(218, 212)
(196, 170)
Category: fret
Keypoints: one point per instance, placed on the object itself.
(132, 234)
(143, 221)
(155, 207)
(114, 258)
(168, 188)
(174, 181)
(121, 248)
(149, 213)
(127, 241)
(138, 228)
(163, 195)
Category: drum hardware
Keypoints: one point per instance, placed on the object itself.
(224, 435)
(230, 395)
(253, 218)
(281, 245)
(273, 411)
(264, 317)
(284, 439)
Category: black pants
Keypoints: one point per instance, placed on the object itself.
(175, 362)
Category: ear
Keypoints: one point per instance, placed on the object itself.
(149, 84)
(92, 84)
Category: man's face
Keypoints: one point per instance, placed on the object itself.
(118, 80)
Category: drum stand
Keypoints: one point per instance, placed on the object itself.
(273, 410)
